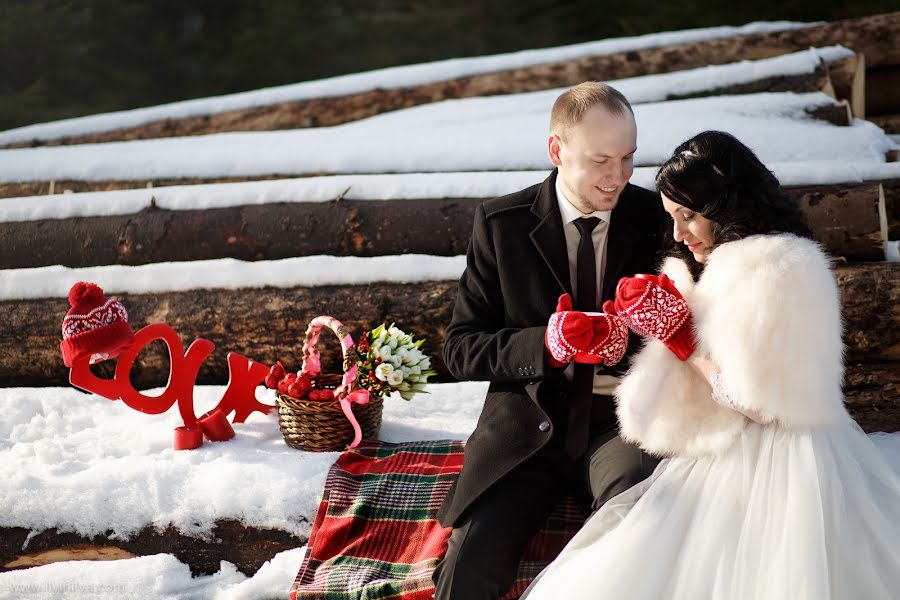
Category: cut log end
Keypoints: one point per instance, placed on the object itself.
(75, 552)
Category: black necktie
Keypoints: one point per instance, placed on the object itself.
(583, 378)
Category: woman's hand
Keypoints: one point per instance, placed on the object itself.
(653, 306)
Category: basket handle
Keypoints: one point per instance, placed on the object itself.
(345, 394)
(311, 359)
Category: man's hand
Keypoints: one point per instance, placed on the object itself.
(608, 343)
(568, 332)
(653, 306)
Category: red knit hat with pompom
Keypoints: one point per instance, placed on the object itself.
(95, 326)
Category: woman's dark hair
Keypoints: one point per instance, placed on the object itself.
(717, 176)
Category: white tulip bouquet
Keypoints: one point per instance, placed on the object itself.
(391, 360)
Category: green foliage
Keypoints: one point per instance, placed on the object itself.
(64, 58)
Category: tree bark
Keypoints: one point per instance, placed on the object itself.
(890, 123)
(268, 324)
(872, 391)
(892, 207)
(254, 232)
(838, 114)
(870, 298)
(848, 220)
(845, 218)
(883, 89)
(874, 36)
(245, 547)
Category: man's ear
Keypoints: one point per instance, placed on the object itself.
(553, 149)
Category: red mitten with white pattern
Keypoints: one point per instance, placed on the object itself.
(609, 341)
(653, 306)
(568, 331)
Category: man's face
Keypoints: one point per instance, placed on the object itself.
(596, 158)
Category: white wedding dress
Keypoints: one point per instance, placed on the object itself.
(771, 491)
(799, 515)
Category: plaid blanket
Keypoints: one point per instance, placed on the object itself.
(375, 535)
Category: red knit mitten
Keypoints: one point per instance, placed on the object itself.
(568, 332)
(608, 343)
(653, 306)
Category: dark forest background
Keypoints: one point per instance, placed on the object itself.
(70, 58)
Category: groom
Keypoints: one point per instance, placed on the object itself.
(548, 425)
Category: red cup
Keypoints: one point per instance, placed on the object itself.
(215, 426)
(188, 438)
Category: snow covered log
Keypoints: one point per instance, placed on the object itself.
(872, 36)
(335, 110)
(244, 546)
(845, 218)
(267, 324)
(20, 189)
(429, 139)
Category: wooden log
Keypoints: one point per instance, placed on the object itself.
(836, 114)
(76, 552)
(267, 324)
(40, 188)
(847, 81)
(883, 90)
(245, 547)
(849, 221)
(872, 391)
(817, 81)
(875, 36)
(892, 208)
(257, 232)
(870, 298)
(890, 123)
(845, 218)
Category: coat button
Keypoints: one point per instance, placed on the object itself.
(544, 425)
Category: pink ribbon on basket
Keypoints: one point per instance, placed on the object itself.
(345, 395)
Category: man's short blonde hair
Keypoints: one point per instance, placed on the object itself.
(569, 108)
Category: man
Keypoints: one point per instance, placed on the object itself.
(548, 425)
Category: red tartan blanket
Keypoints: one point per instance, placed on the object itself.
(375, 535)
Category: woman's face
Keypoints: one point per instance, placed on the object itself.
(690, 228)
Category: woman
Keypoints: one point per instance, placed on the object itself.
(770, 490)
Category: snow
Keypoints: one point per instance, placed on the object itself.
(408, 186)
(473, 134)
(156, 577)
(81, 463)
(76, 448)
(389, 78)
(662, 86)
(228, 273)
(892, 253)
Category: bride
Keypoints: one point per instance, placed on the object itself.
(769, 489)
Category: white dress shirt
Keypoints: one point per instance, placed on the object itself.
(603, 384)
(573, 237)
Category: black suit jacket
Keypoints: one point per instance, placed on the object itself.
(517, 266)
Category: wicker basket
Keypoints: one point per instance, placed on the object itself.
(320, 425)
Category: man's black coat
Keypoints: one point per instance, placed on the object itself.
(516, 268)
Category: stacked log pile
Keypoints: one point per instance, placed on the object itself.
(874, 37)
(853, 221)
